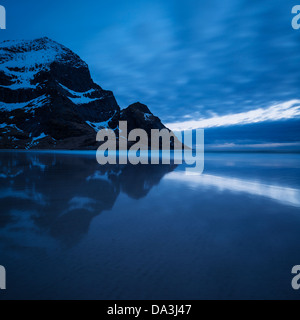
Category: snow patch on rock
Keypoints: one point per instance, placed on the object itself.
(28, 105)
(80, 97)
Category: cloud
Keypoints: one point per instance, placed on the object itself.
(133, 58)
(281, 111)
(265, 146)
(176, 56)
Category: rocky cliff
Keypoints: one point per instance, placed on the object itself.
(48, 100)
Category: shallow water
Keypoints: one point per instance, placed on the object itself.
(71, 229)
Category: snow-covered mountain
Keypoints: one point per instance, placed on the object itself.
(48, 99)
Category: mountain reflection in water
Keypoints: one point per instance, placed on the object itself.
(63, 193)
(72, 229)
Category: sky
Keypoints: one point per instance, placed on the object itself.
(189, 61)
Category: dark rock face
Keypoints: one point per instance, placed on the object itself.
(48, 99)
(138, 115)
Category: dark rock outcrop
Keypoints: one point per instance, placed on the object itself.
(48, 100)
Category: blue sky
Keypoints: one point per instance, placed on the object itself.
(187, 60)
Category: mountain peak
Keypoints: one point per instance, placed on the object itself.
(137, 106)
(31, 53)
(22, 61)
(16, 46)
(48, 99)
